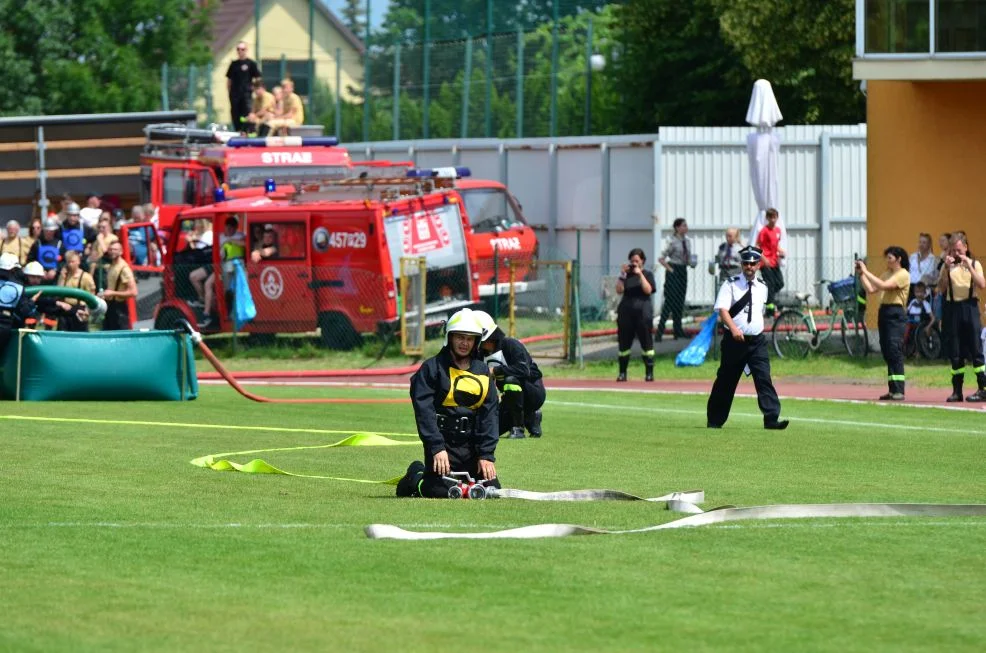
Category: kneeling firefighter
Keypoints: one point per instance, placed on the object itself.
(517, 378)
(16, 306)
(455, 408)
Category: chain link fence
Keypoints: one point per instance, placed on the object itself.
(509, 72)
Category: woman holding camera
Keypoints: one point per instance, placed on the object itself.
(635, 314)
(895, 285)
(961, 274)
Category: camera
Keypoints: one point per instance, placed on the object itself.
(632, 268)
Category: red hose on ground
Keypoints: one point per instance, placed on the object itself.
(197, 339)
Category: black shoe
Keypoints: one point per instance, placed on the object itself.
(408, 485)
(892, 396)
(954, 398)
(622, 377)
(710, 425)
(517, 433)
(534, 426)
(649, 376)
(977, 396)
(777, 426)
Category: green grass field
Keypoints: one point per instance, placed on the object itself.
(112, 541)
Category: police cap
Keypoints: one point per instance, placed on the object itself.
(751, 254)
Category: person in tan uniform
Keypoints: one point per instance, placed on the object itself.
(292, 110)
(895, 284)
(14, 244)
(73, 276)
(33, 233)
(120, 286)
(104, 238)
(262, 109)
(961, 274)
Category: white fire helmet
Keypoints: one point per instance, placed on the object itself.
(487, 322)
(9, 261)
(463, 321)
(34, 269)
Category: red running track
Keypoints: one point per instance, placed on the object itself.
(786, 389)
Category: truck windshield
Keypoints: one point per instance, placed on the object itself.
(489, 210)
(256, 176)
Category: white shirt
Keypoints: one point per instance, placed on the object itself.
(203, 241)
(915, 307)
(924, 270)
(90, 216)
(750, 319)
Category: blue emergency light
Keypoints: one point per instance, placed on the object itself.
(285, 141)
(219, 195)
(270, 185)
(445, 173)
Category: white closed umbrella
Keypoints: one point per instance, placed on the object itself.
(763, 148)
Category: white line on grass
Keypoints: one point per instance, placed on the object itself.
(812, 420)
(868, 523)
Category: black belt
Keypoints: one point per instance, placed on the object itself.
(450, 424)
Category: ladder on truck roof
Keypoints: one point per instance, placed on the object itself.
(180, 141)
(379, 182)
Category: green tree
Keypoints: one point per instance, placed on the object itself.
(354, 16)
(92, 56)
(805, 49)
(674, 67)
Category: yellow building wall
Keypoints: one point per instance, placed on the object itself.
(284, 30)
(926, 166)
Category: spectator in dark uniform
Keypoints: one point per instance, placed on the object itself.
(678, 254)
(635, 314)
(239, 81)
(47, 249)
(740, 305)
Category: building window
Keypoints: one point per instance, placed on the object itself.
(897, 26)
(960, 26)
(296, 69)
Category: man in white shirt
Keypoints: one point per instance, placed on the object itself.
(740, 305)
(89, 215)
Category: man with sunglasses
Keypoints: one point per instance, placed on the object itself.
(740, 305)
(239, 82)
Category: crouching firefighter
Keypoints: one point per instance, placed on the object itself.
(517, 378)
(16, 306)
(455, 408)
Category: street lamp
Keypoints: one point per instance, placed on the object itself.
(594, 63)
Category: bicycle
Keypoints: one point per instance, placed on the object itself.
(919, 341)
(795, 332)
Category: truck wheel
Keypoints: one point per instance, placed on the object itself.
(167, 319)
(337, 332)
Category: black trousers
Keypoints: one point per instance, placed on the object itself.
(420, 481)
(892, 323)
(117, 317)
(961, 328)
(675, 287)
(72, 323)
(773, 278)
(634, 322)
(239, 108)
(735, 356)
(519, 400)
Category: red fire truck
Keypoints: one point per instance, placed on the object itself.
(326, 255)
(182, 167)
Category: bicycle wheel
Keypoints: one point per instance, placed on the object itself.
(929, 345)
(910, 342)
(791, 335)
(855, 338)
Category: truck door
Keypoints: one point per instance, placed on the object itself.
(180, 185)
(281, 280)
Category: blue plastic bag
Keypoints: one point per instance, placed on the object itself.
(244, 310)
(694, 354)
